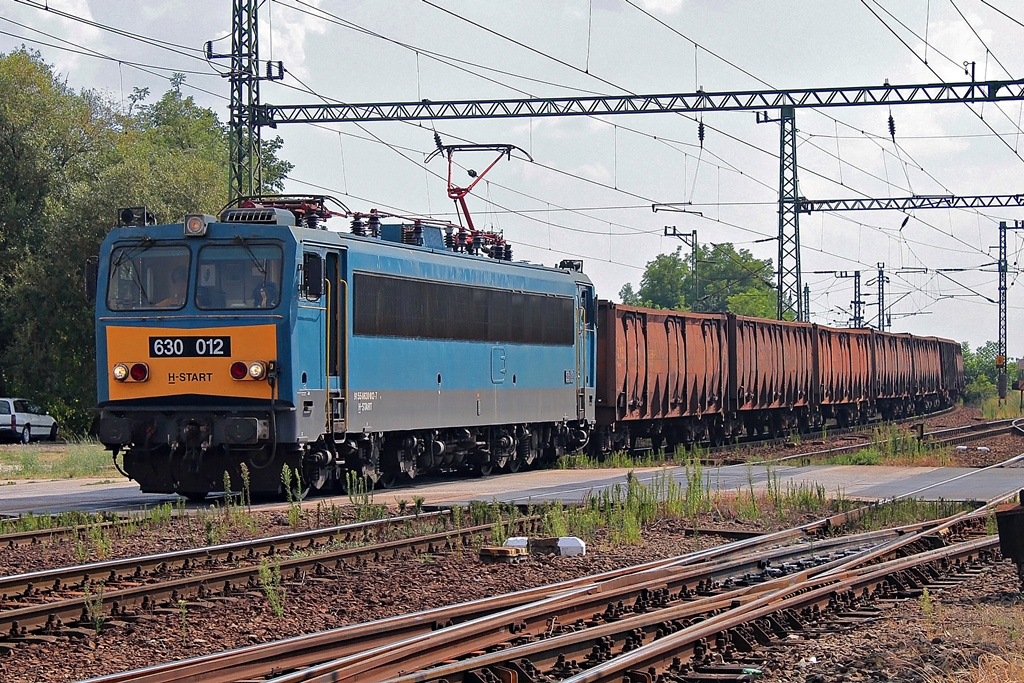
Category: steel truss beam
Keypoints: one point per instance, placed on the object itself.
(907, 203)
(750, 100)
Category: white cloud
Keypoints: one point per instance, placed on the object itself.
(665, 6)
(69, 30)
(291, 32)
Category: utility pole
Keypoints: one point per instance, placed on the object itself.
(789, 279)
(881, 297)
(246, 174)
(689, 239)
(1001, 379)
(857, 303)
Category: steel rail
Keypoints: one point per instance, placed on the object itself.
(315, 648)
(491, 631)
(816, 594)
(494, 631)
(591, 645)
(31, 584)
(116, 603)
(951, 435)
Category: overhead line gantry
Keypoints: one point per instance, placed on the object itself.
(248, 115)
(786, 101)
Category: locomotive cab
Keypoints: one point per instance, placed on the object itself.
(190, 322)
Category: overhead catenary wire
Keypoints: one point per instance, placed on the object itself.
(514, 211)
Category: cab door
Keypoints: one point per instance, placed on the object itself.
(337, 359)
(586, 351)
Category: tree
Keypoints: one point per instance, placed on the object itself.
(664, 282)
(628, 296)
(755, 302)
(723, 272)
(67, 161)
(980, 374)
(727, 280)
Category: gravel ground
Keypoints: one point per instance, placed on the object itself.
(918, 641)
(982, 615)
(914, 640)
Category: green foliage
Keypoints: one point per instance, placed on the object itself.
(94, 607)
(665, 281)
(909, 511)
(755, 302)
(980, 372)
(69, 160)
(183, 613)
(360, 495)
(727, 280)
(291, 480)
(270, 579)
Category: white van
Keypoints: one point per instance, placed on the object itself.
(20, 419)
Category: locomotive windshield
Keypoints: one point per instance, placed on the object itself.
(242, 275)
(144, 277)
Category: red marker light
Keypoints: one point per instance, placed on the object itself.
(239, 370)
(140, 372)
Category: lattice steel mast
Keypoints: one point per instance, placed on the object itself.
(246, 174)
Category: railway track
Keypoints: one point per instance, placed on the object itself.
(566, 626)
(935, 439)
(45, 602)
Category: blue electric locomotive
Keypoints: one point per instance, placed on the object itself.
(260, 339)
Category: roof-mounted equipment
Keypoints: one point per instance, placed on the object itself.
(195, 225)
(306, 211)
(138, 216)
(469, 239)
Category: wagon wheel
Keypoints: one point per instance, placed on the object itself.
(194, 496)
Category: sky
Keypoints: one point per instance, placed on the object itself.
(589, 188)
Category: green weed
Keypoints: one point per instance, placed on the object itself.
(94, 607)
(270, 579)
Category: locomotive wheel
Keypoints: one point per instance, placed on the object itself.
(194, 496)
(484, 470)
(512, 466)
(387, 478)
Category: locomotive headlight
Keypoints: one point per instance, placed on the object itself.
(136, 372)
(196, 224)
(247, 370)
(257, 370)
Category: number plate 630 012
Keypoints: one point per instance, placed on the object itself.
(189, 347)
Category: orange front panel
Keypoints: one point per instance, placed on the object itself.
(205, 375)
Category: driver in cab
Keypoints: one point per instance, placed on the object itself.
(179, 287)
